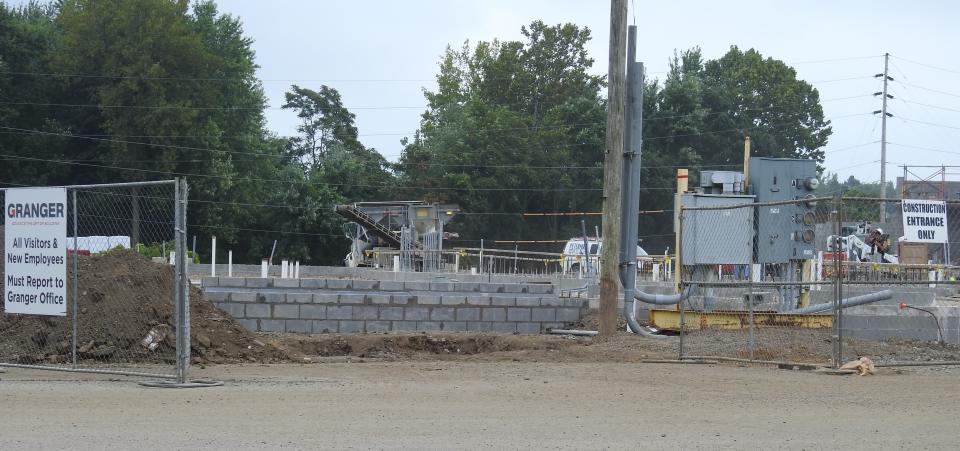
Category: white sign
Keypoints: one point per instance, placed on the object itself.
(924, 221)
(35, 260)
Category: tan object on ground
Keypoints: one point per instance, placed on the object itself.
(863, 365)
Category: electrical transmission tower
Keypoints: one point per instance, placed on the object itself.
(883, 136)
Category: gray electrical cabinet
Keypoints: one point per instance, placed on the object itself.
(714, 237)
(784, 232)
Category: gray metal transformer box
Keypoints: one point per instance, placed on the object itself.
(784, 232)
(714, 237)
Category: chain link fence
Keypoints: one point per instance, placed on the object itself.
(127, 304)
(817, 281)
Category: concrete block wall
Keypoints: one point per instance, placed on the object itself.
(879, 322)
(345, 306)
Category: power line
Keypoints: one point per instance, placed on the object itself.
(931, 149)
(937, 91)
(933, 124)
(929, 66)
(250, 179)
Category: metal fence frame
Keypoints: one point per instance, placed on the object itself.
(181, 288)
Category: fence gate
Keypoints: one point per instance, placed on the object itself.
(126, 298)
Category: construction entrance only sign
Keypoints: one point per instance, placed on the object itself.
(35, 255)
(924, 221)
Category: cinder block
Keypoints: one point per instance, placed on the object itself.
(548, 326)
(235, 310)
(540, 288)
(404, 326)
(272, 298)
(243, 297)
(428, 299)
(391, 285)
(503, 301)
(513, 288)
(257, 282)
(478, 300)
(299, 298)
(257, 311)
(313, 311)
(441, 286)
(339, 312)
(272, 325)
(467, 286)
(494, 314)
(578, 303)
(503, 327)
(403, 299)
(468, 314)
(416, 286)
(286, 311)
(286, 283)
(454, 326)
(232, 282)
(391, 313)
(518, 314)
(216, 296)
(210, 282)
(543, 314)
(249, 324)
(366, 285)
(528, 328)
(378, 326)
(339, 284)
(299, 326)
(491, 288)
(348, 327)
(443, 314)
(428, 325)
(550, 301)
(568, 314)
(379, 298)
(479, 326)
(313, 283)
(325, 327)
(453, 300)
(365, 312)
(416, 313)
(528, 301)
(326, 298)
(350, 298)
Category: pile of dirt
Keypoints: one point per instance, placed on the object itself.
(126, 315)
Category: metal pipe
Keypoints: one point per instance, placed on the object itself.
(664, 299)
(846, 303)
(581, 333)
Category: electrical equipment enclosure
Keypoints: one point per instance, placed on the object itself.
(784, 232)
(714, 237)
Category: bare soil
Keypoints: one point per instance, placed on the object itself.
(487, 405)
(123, 298)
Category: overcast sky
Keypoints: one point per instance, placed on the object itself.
(341, 43)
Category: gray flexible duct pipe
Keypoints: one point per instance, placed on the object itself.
(846, 303)
(664, 299)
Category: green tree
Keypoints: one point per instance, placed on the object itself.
(513, 127)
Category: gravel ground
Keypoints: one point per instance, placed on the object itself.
(483, 405)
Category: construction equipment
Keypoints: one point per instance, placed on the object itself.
(410, 230)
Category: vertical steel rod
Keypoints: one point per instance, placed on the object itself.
(76, 279)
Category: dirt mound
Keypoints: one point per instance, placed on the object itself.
(126, 315)
(472, 346)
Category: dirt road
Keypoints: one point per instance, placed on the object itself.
(466, 405)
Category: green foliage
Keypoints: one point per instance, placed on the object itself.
(530, 104)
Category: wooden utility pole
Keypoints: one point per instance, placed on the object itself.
(612, 168)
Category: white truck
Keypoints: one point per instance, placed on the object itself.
(574, 258)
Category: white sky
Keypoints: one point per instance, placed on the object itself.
(338, 43)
